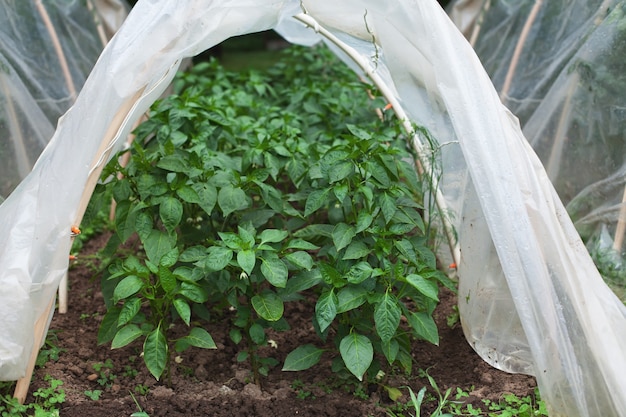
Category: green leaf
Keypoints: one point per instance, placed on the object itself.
(126, 335)
(171, 213)
(315, 200)
(424, 327)
(246, 260)
(217, 258)
(315, 231)
(274, 270)
(129, 310)
(387, 317)
(169, 259)
(231, 199)
(388, 207)
(342, 235)
(357, 353)
(363, 221)
(268, 306)
(157, 244)
(303, 281)
(167, 280)
(301, 244)
(207, 194)
(257, 333)
(326, 309)
(330, 275)
(359, 273)
(127, 287)
(390, 350)
(155, 352)
(183, 310)
(300, 259)
(199, 337)
(108, 326)
(349, 298)
(188, 194)
(427, 287)
(173, 163)
(193, 254)
(303, 357)
(273, 236)
(143, 225)
(356, 250)
(193, 292)
(340, 171)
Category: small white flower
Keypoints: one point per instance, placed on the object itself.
(273, 343)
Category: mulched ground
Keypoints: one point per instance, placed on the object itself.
(213, 383)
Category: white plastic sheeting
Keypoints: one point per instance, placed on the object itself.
(562, 324)
(47, 50)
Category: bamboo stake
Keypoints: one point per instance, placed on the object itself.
(417, 144)
(479, 23)
(57, 48)
(621, 226)
(98, 21)
(518, 49)
(21, 388)
(24, 164)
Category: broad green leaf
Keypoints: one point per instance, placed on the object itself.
(363, 221)
(359, 273)
(193, 292)
(341, 192)
(199, 337)
(314, 231)
(155, 352)
(356, 250)
(188, 194)
(388, 206)
(300, 259)
(301, 244)
(157, 244)
(379, 172)
(257, 333)
(171, 213)
(330, 275)
(390, 350)
(406, 249)
(315, 200)
(173, 163)
(170, 258)
(231, 199)
(303, 281)
(349, 298)
(247, 237)
(424, 327)
(340, 171)
(143, 225)
(183, 310)
(427, 287)
(129, 310)
(167, 280)
(387, 317)
(193, 254)
(343, 235)
(268, 306)
(127, 287)
(232, 240)
(207, 195)
(108, 326)
(126, 335)
(246, 260)
(217, 258)
(357, 353)
(274, 270)
(303, 357)
(358, 132)
(326, 309)
(273, 235)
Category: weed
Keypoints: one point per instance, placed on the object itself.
(93, 395)
(104, 372)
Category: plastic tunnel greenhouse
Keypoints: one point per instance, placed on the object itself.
(535, 304)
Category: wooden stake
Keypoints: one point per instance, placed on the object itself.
(21, 388)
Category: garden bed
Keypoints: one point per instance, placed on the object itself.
(213, 383)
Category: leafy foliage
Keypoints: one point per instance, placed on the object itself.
(245, 190)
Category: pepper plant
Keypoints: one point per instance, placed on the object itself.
(245, 191)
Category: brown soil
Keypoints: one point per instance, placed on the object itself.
(213, 383)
